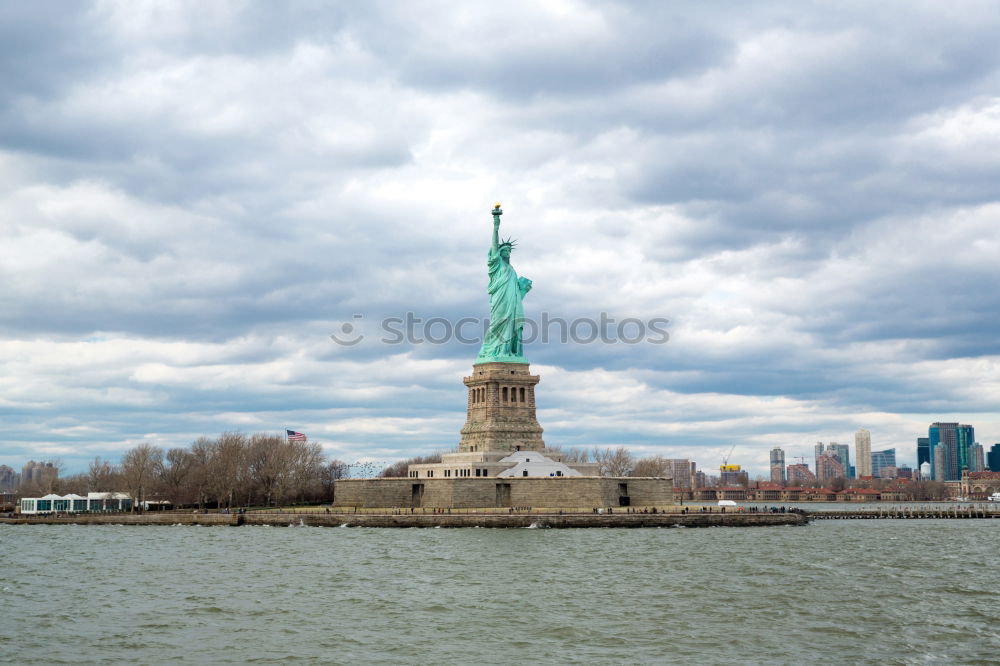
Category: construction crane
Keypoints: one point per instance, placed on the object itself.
(725, 459)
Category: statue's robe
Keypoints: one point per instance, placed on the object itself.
(503, 339)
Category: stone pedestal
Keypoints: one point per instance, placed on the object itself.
(501, 409)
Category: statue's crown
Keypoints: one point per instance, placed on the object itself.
(508, 242)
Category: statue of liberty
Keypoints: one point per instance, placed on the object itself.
(503, 339)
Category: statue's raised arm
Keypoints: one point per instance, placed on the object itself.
(503, 341)
(497, 212)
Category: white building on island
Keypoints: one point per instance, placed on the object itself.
(92, 503)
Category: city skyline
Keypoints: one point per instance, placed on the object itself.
(685, 468)
(193, 202)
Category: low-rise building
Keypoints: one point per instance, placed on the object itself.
(92, 503)
(500, 464)
(979, 485)
(768, 492)
(859, 495)
(735, 493)
(818, 495)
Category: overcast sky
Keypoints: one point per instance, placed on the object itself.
(194, 196)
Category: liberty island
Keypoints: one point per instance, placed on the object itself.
(501, 459)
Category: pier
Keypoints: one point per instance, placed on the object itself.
(908, 513)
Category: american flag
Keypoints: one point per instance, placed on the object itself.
(294, 436)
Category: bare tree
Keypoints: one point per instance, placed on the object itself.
(614, 462)
(269, 460)
(175, 475)
(567, 455)
(102, 476)
(307, 464)
(330, 473)
(225, 471)
(76, 483)
(399, 468)
(228, 466)
(200, 475)
(140, 468)
(653, 466)
(927, 490)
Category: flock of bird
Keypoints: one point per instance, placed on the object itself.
(367, 469)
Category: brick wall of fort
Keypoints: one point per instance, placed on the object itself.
(468, 493)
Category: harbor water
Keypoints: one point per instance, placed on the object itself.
(859, 592)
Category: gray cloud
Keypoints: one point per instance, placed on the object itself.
(192, 198)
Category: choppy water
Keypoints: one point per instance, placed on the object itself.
(860, 592)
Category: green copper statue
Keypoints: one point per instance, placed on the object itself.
(507, 291)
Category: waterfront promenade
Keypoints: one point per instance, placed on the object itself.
(405, 519)
(500, 518)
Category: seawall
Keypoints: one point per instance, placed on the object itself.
(553, 520)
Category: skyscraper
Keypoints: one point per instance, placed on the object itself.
(993, 458)
(733, 475)
(40, 473)
(701, 479)
(939, 461)
(843, 454)
(957, 450)
(829, 467)
(966, 449)
(882, 459)
(923, 450)
(978, 463)
(777, 465)
(8, 479)
(798, 473)
(682, 470)
(863, 452)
